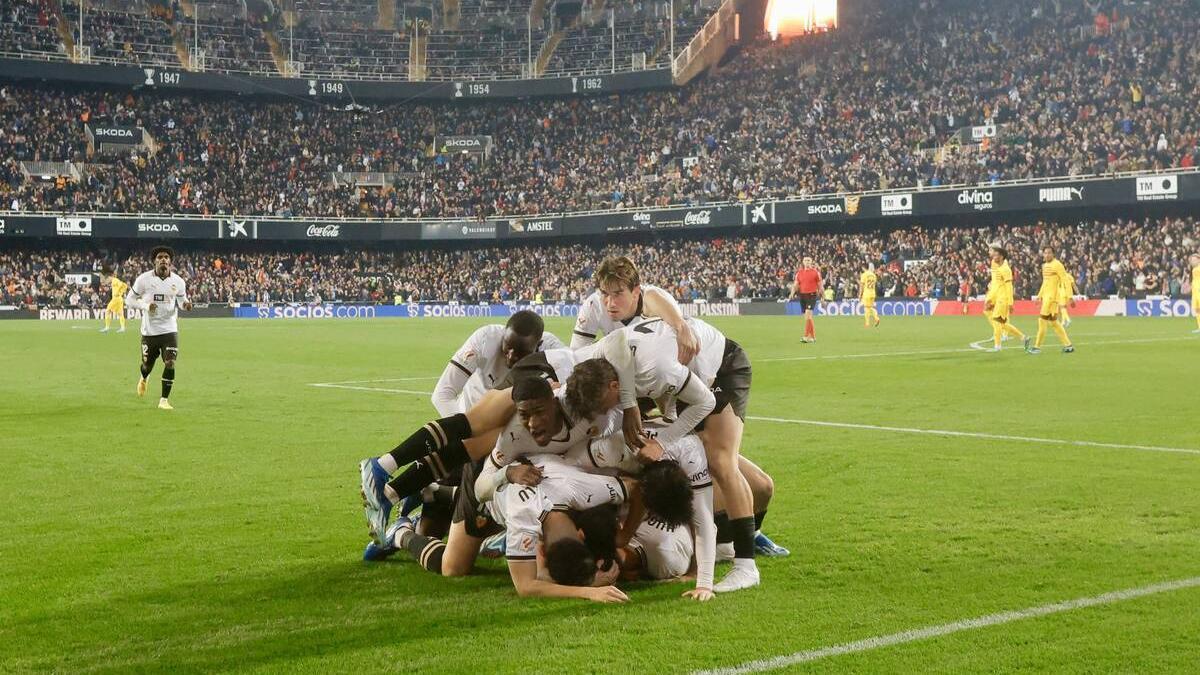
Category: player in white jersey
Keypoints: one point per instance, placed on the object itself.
(620, 298)
(160, 294)
(678, 494)
(485, 358)
(722, 370)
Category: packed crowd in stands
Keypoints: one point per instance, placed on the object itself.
(1113, 258)
(28, 27)
(848, 110)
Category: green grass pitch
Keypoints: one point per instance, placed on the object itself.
(227, 534)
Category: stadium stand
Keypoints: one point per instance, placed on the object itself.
(813, 116)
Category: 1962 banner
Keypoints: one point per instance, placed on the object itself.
(1146, 189)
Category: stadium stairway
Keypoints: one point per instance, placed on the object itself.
(451, 14)
(547, 50)
(278, 53)
(62, 27)
(418, 52)
(385, 14)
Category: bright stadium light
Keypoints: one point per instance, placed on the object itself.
(785, 18)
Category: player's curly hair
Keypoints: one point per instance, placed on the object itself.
(162, 249)
(619, 269)
(586, 386)
(570, 563)
(667, 492)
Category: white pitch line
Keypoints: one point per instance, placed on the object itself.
(928, 632)
(972, 434)
(389, 379)
(956, 351)
(331, 385)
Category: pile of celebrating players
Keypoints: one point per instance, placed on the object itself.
(613, 459)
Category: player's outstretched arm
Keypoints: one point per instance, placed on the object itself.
(704, 530)
(637, 511)
(524, 578)
(614, 348)
(657, 303)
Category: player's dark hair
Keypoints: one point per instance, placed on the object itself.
(162, 249)
(530, 388)
(586, 385)
(1001, 250)
(527, 324)
(570, 563)
(667, 492)
(106, 271)
(1049, 247)
(599, 527)
(619, 269)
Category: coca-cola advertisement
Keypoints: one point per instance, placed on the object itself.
(323, 231)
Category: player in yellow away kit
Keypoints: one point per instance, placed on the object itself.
(1053, 275)
(1000, 298)
(116, 306)
(1194, 261)
(866, 295)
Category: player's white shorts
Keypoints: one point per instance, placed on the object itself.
(665, 554)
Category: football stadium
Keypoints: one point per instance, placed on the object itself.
(597, 336)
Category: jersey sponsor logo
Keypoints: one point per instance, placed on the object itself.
(1060, 194)
(160, 297)
(1157, 188)
(896, 205)
(74, 227)
(323, 232)
(980, 200)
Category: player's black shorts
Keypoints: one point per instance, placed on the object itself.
(166, 344)
(808, 301)
(466, 506)
(536, 365)
(731, 386)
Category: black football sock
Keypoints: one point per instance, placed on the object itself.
(724, 530)
(758, 520)
(432, 437)
(168, 380)
(146, 369)
(430, 467)
(427, 551)
(443, 494)
(743, 537)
